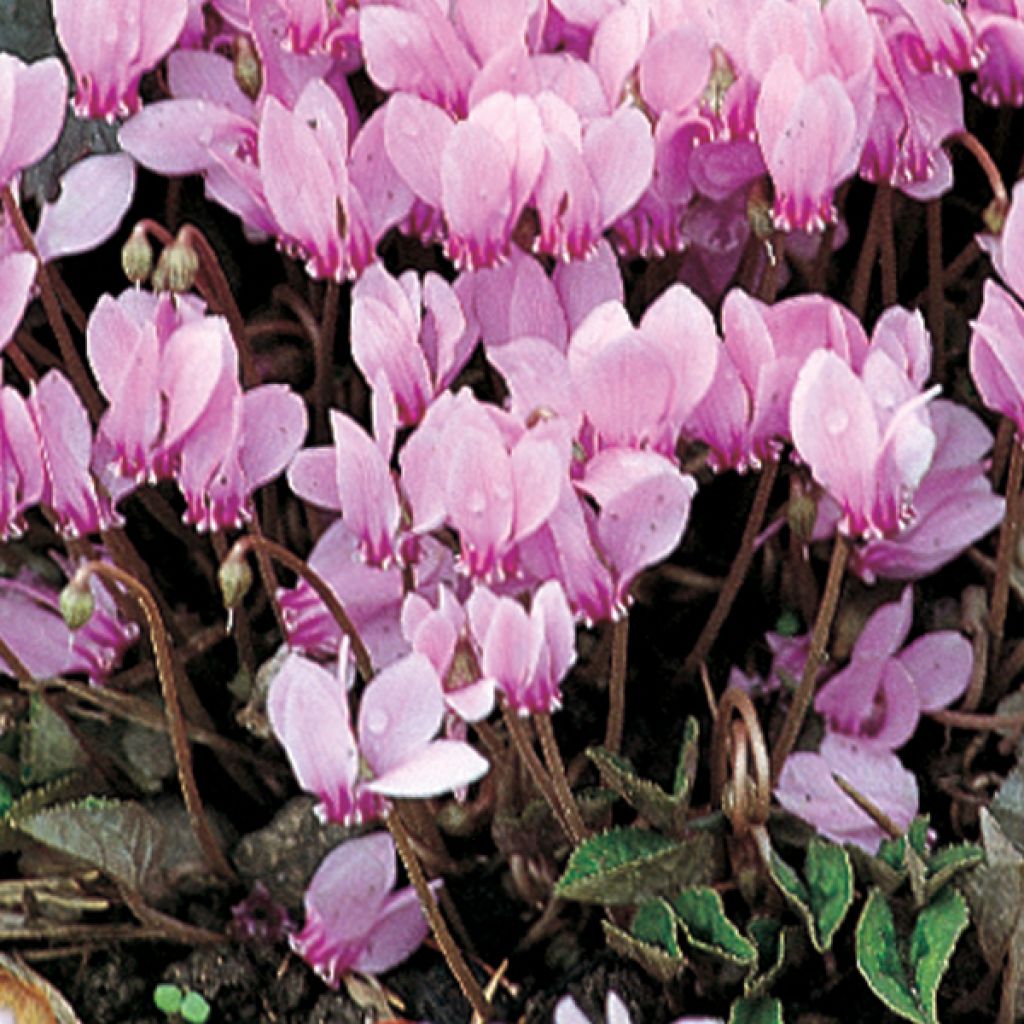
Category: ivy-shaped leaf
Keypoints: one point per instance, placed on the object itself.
(770, 939)
(949, 862)
(49, 749)
(823, 899)
(655, 924)
(658, 963)
(119, 837)
(630, 865)
(704, 922)
(664, 812)
(756, 1011)
(910, 992)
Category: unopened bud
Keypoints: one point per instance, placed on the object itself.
(994, 216)
(720, 80)
(759, 211)
(177, 267)
(248, 67)
(77, 603)
(235, 578)
(802, 514)
(137, 256)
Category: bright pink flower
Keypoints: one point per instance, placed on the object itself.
(806, 789)
(412, 333)
(303, 153)
(32, 101)
(399, 714)
(997, 366)
(312, 24)
(354, 921)
(32, 625)
(878, 698)
(935, 36)
(21, 463)
(999, 30)
(866, 439)
(526, 655)
(954, 505)
(111, 44)
(66, 442)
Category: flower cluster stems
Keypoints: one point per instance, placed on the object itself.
(1006, 553)
(617, 685)
(819, 639)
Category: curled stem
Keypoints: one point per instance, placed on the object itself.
(176, 728)
(971, 143)
(819, 638)
(1006, 552)
(320, 587)
(449, 949)
(734, 743)
(737, 571)
(69, 353)
(617, 685)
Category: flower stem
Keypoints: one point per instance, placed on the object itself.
(887, 248)
(1006, 552)
(175, 721)
(995, 180)
(936, 290)
(73, 364)
(324, 359)
(617, 685)
(452, 954)
(320, 587)
(18, 668)
(819, 638)
(737, 571)
(866, 259)
(556, 769)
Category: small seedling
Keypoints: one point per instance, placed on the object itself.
(187, 1006)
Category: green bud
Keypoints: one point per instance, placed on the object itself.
(235, 578)
(802, 514)
(994, 216)
(248, 68)
(77, 603)
(177, 267)
(137, 256)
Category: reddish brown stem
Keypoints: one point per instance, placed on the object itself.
(1006, 552)
(617, 685)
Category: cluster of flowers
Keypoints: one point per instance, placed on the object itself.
(472, 538)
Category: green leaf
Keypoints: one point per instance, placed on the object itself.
(704, 922)
(653, 959)
(664, 812)
(756, 1011)
(917, 835)
(936, 933)
(629, 865)
(770, 939)
(882, 961)
(655, 924)
(824, 899)
(195, 1009)
(118, 837)
(49, 749)
(167, 998)
(686, 768)
(949, 862)
(879, 960)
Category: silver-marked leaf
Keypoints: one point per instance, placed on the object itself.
(770, 939)
(655, 924)
(629, 865)
(756, 1011)
(118, 837)
(49, 749)
(665, 813)
(823, 898)
(879, 959)
(706, 926)
(949, 862)
(936, 932)
(653, 959)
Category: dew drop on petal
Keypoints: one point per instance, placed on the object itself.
(836, 420)
(377, 721)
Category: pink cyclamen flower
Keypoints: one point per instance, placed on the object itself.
(21, 463)
(997, 366)
(354, 919)
(111, 44)
(867, 439)
(999, 30)
(391, 753)
(32, 102)
(807, 789)
(878, 698)
(526, 655)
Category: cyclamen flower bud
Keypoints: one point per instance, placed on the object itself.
(234, 578)
(248, 68)
(137, 256)
(76, 601)
(177, 267)
(802, 514)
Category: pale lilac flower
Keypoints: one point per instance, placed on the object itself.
(879, 697)
(999, 30)
(111, 44)
(32, 101)
(354, 919)
(526, 655)
(21, 463)
(568, 1012)
(997, 366)
(866, 438)
(806, 789)
(395, 754)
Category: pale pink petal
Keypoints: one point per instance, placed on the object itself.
(18, 272)
(397, 933)
(313, 476)
(619, 153)
(415, 134)
(583, 285)
(439, 767)
(940, 664)
(274, 424)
